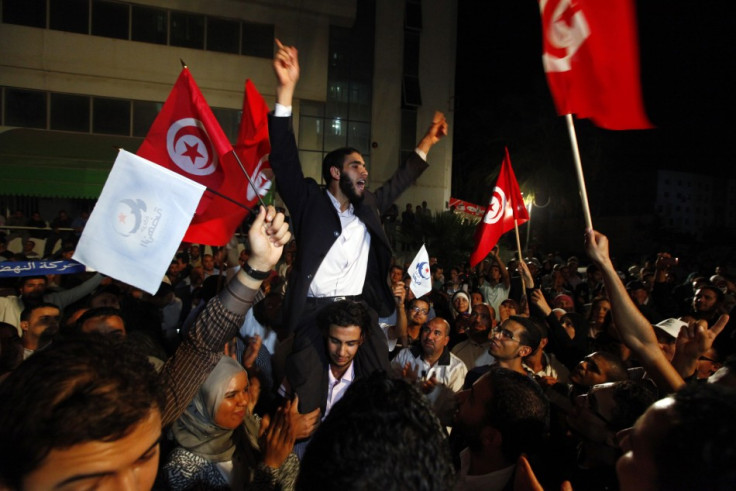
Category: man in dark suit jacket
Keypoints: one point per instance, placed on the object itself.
(343, 251)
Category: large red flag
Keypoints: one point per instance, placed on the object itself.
(253, 146)
(591, 56)
(187, 139)
(506, 204)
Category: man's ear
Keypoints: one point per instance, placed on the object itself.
(524, 351)
(24, 325)
(543, 342)
(335, 173)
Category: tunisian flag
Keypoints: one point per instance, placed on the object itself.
(253, 146)
(505, 205)
(187, 139)
(591, 56)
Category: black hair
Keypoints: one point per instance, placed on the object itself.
(632, 398)
(26, 313)
(79, 390)
(382, 435)
(344, 313)
(699, 449)
(519, 410)
(531, 336)
(335, 159)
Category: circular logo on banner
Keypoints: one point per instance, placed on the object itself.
(565, 31)
(497, 206)
(190, 147)
(421, 273)
(128, 216)
(261, 182)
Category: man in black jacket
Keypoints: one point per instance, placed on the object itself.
(343, 252)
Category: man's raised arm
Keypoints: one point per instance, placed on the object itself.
(635, 330)
(286, 68)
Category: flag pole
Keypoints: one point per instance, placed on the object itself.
(255, 189)
(521, 257)
(579, 171)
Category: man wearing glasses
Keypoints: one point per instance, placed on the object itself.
(514, 339)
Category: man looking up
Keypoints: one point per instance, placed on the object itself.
(431, 359)
(502, 415)
(343, 249)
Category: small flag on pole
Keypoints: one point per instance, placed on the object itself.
(421, 278)
(506, 205)
(138, 222)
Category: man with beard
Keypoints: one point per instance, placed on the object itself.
(502, 415)
(474, 350)
(343, 250)
(431, 360)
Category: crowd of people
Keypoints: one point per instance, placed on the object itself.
(302, 359)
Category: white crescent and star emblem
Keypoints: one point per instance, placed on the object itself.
(190, 148)
(496, 207)
(565, 31)
(261, 182)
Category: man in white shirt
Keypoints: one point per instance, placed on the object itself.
(343, 251)
(431, 359)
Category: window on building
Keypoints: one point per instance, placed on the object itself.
(229, 120)
(149, 25)
(187, 30)
(411, 95)
(223, 35)
(110, 19)
(144, 113)
(26, 108)
(69, 112)
(257, 40)
(413, 15)
(111, 116)
(30, 13)
(69, 15)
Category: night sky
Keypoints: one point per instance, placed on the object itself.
(688, 59)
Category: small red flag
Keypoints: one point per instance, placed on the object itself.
(186, 138)
(253, 146)
(506, 204)
(591, 56)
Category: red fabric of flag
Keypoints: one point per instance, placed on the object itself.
(186, 138)
(253, 146)
(591, 57)
(506, 204)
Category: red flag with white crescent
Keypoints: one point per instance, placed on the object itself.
(253, 146)
(591, 57)
(506, 204)
(186, 138)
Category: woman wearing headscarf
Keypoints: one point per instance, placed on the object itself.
(219, 439)
(460, 309)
